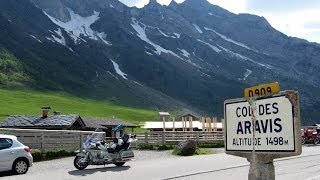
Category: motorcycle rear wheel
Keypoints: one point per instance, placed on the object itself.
(316, 141)
(78, 164)
(119, 163)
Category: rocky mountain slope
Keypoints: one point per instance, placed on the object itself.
(191, 55)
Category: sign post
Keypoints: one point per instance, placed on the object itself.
(263, 128)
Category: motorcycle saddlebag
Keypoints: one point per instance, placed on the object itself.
(127, 154)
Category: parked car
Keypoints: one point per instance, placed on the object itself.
(14, 156)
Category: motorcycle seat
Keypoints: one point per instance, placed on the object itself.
(111, 150)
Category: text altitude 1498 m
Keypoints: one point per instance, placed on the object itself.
(277, 141)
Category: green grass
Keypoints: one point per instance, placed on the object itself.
(28, 102)
(156, 147)
(200, 151)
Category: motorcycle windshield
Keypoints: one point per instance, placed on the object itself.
(96, 136)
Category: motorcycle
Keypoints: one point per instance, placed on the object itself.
(97, 152)
(310, 136)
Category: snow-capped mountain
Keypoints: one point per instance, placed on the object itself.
(191, 55)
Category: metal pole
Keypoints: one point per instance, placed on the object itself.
(261, 170)
(261, 167)
(164, 123)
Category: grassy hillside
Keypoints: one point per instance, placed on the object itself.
(18, 102)
(11, 69)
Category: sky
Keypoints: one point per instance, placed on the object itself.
(297, 18)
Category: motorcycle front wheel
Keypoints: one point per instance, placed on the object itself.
(79, 164)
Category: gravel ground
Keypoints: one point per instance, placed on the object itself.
(141, 155)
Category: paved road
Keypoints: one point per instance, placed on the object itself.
(161, 165)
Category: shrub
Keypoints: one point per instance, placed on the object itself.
(216, 145)
(51, 154)
(200, 151)
(146, 147)
(155, 147)
(186, 148)
(166, 147)
(188, 152)
(197, 151)
(37, 155)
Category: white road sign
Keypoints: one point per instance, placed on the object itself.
(274, 129)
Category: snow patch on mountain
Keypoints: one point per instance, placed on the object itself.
(137, 83)
(59, 39)
(197, 28)
(149, 53)
(103, 37)
(111, 6)
(204, 74)
(230, 40)
(177, 35)
(247, 73)
(164, 34)
(35, 38)
(70, 49)
(141, 30)
(79, 25)
(210, 45)
(118, 71)
(237, 55)
(184, 52)
(193, 64)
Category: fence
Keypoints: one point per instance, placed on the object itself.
(174, 137)
(72, 140)
(49, 139)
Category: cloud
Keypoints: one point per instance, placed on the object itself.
(287, 6)
(238, 6)
(312, 25)
(303, 24)
(137, 3)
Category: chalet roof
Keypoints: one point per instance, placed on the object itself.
(164, 114)
(178, 118)
(63, 121)
(105, 122)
